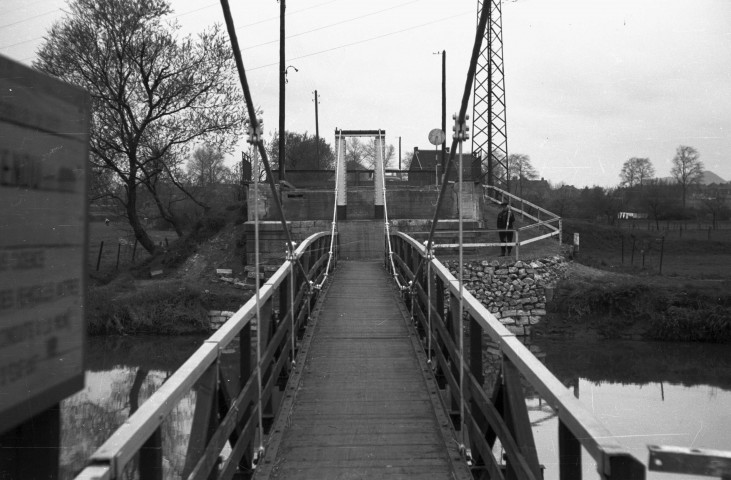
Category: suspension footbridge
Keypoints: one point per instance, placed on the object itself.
(367, 360)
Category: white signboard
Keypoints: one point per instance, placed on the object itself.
(44, 125)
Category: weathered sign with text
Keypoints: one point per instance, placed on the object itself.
(44, 135)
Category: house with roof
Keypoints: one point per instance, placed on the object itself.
(426, 167)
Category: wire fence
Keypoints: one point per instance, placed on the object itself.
(681, 229)
(115, 248)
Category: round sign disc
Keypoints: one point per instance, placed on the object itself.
(436, 136)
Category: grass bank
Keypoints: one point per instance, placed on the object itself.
(640, 311)
(127, 301)
(155, 308)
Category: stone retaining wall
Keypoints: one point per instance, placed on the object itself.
(216, 318)
(515, 292)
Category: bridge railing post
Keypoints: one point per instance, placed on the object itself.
(245, 372)
(151, 457)
(569, 454)
(440, 305)
(623, 466)
(205, 422)
(454, 332)
(477, 345)
(266, 331)
(516, 417)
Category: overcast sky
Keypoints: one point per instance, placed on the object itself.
(590, 83)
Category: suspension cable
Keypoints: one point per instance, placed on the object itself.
(334, 221)
(479, 34)
(256, 124)
(260, 415)
(385, 217)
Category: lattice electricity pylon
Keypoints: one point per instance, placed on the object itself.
(489, 124)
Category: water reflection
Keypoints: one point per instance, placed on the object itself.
(644, 393)
(122, 372)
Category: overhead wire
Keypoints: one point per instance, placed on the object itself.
(365, 40)
(172, 16)
(293, 12)
(307, 55)
(330, 25)
(30, 18)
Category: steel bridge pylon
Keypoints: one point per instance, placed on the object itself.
(489, 123)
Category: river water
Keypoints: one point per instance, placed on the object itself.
(644, 393)
(121, 373)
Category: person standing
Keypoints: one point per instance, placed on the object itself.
(505, 220)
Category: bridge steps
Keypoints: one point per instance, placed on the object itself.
(361, 239)
(364, 405)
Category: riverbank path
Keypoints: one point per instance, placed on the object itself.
(366, 404)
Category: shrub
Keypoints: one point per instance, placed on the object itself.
(707, 324)
(659, 314)
(166, 308)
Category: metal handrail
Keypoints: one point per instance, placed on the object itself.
(503, 193)
(110, 460)
(554, 230)
(573, 415)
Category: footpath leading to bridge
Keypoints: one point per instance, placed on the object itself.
(366, 405)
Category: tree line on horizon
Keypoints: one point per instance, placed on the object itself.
(640, 192)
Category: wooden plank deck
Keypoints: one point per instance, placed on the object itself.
(365, 405)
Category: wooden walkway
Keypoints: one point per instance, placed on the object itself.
(364, 405)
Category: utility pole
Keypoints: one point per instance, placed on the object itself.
(399, 155)
(444, 110)
(317, 132)
(282, 75)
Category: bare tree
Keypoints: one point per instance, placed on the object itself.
(355, 154)
(660, 200)
(206, 167)
(520, 167)
(301, 152)
(153, 94)
(388, 152)
(687, 168)
(715, 203)
(635, 171)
